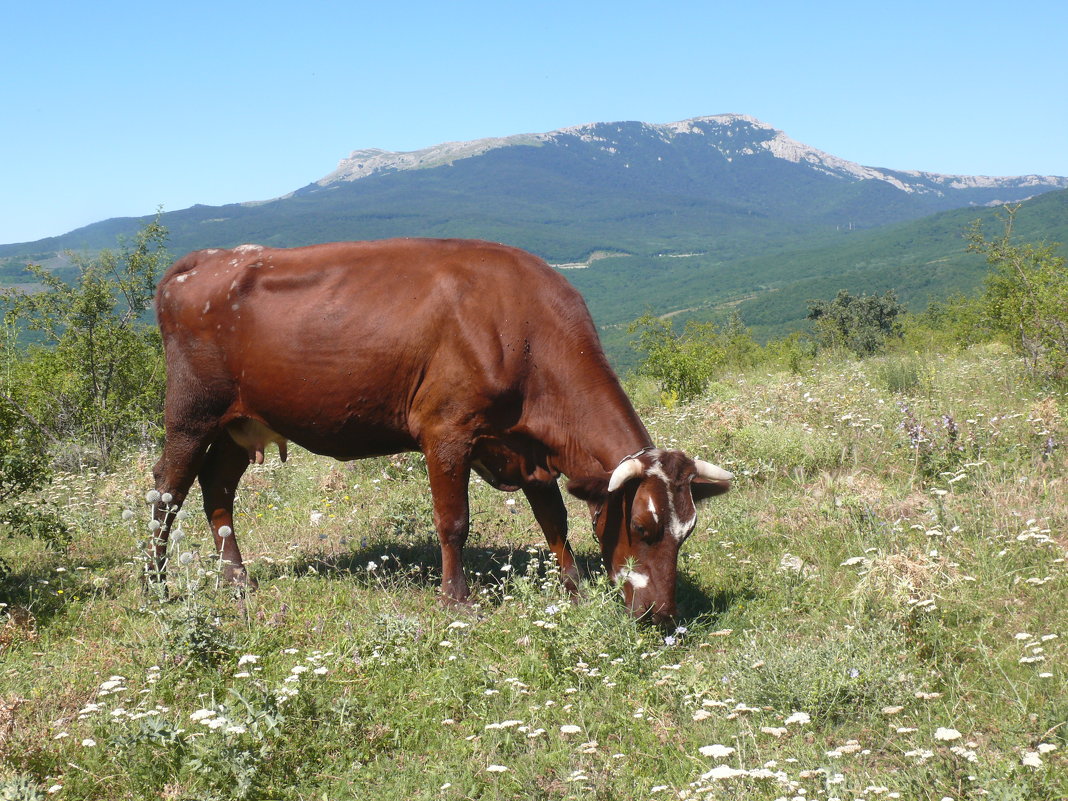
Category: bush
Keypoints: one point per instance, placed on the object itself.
(24, 470)
(683, 364)
(1026, 296)
(859, 324)
(94, 370)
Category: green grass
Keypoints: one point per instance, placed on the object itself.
(890, 566)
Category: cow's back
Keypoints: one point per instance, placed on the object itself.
(337, 342)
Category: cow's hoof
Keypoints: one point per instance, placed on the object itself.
(239, 579)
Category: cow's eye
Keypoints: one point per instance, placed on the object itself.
(642, 532)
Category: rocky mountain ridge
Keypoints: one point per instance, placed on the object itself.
(734, 136)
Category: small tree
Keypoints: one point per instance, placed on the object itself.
(1026, 295)
(859, 324)
(683, 364)
(94, 371)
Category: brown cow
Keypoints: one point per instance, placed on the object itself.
(479, 355)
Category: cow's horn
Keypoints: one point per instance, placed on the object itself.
(628, 469)
(711, 472)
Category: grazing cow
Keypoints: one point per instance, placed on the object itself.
(479, 355)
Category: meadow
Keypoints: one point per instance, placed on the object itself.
(875, 611)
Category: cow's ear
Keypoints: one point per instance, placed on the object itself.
(702, 490)
(710, 480)
(592, 489)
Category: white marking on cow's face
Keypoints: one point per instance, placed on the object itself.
(680, 529)
(638, 581)
(653, 512)
(657, 471)
(676, 527)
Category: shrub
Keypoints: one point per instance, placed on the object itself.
(24, 470)
(859, 324)
(94, 371)
(683, 364)
(1026, 295)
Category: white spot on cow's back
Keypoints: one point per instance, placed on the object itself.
(235, 307)
(181, 279)
(248, 248)
(207, 306)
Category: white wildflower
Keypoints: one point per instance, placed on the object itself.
(943, 733)
(716, 751)
(1031, 759)
(921, 754)
(504, 724)
(724, 772)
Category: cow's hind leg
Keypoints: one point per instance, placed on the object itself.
(183, 454)
(548, 506)
(225, 463)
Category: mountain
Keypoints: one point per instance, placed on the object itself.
(677, 217)
(731, 136)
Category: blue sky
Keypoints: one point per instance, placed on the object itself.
(114, 108)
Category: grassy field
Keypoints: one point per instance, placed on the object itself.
(876, 610)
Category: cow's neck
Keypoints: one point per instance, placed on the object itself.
(592, 426)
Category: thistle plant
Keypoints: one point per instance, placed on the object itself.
(191, 626)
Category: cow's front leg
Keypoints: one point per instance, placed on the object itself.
(448, 486)
(549, 510)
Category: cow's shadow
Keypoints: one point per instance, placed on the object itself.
(487, 570)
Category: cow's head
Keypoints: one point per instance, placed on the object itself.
(642, 513)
